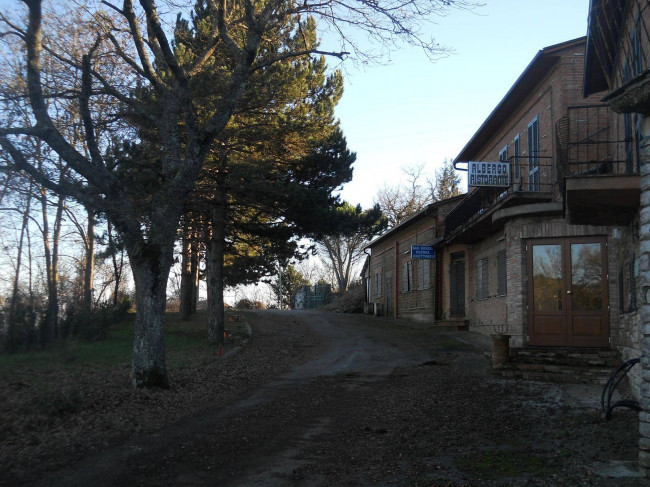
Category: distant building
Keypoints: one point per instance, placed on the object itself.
(312, 297)
(400, 283)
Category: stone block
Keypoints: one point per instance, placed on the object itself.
(644, 429)
(644, 459)
(644, 443)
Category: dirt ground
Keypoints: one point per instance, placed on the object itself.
(319, 399)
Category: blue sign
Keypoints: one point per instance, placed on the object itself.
(422, 252)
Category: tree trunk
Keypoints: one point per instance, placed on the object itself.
(195, 260)
(51, 250)
(13, 305)
(215, 278)
(90, 261)
(150, 267)
(117, 267)
(187, 292)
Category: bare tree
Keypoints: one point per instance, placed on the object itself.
(399, 202)
(118, 64)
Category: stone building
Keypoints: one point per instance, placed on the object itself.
(618, 62)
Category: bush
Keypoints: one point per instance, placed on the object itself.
(20, 333)
(93, 324)
(246, 303)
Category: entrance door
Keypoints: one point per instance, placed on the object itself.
(567, 292)
(457, 284)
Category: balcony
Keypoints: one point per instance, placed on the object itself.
(598, 152)
(484, 210)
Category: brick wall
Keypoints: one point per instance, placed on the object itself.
(486, 314)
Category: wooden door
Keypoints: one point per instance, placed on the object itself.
(457, 284)
(567, 292)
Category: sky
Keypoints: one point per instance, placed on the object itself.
(414, 111)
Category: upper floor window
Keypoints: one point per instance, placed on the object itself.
(517, 161)
(533, 155)
(503, 154)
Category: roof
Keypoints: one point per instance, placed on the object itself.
(416, 217)
(538, 68)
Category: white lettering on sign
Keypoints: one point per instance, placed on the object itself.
(495, 174)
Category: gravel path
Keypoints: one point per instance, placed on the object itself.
(326, 399)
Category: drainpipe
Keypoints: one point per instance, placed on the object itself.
(460, 168)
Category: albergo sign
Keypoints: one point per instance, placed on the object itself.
(494, 174)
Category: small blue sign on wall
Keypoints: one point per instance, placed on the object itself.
(422, 252)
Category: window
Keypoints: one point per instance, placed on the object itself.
(408, 277)
(501, 273)
(378, 284)
(503, 154)
(517, 160)
(424, 274)
(482, 279)
(637, 52)
(632, 141)
(533, 155)
(632, 271)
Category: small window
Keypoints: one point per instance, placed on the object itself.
(482, 279)
(533, 155)
(503, 154)
(424, 274)
(517, 161)
(378, 284)
(408, 277)
(632, 283)
(501, 273)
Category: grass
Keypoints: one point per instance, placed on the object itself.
(495, 465)
(186, 342)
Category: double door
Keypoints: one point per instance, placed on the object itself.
(568, 301)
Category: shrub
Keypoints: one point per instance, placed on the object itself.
(93, 324)
(246, 303)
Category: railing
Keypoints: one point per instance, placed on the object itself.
(528, 175)
(593, 140)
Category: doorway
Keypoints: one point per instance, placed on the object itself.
(567, 292)
(457, 284)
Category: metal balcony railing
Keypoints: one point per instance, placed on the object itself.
(592, 140)
(532, 175)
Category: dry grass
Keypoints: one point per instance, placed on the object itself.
(60, 403)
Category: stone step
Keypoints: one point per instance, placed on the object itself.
(561, 365)
(552, 377)
(571, 357)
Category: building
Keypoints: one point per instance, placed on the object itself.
(401, 280)
(535, 255)
(618, 62)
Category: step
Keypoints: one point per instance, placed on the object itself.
(603, 358)
(556, 378)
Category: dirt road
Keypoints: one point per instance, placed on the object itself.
(366, 402)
